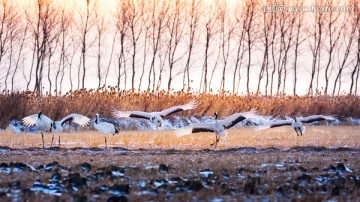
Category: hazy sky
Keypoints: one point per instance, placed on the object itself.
(108, 8)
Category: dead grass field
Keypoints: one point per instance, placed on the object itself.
(88, 102)
(148, 175)
(281, 138)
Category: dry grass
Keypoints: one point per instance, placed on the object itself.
(282, 138)
(296, 180)
(89, 102)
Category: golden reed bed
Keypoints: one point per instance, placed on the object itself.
(282, 138)
(89, 102)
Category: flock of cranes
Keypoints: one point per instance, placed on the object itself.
(45, 124)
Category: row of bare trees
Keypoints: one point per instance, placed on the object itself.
(208, 46)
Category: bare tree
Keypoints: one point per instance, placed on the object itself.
(193, 21)
(101, 29)
(273, 51)
(20, 56)
(65, 23)
(159, 12)
(53, 42)
(334, 32)
(145, 49)
(316, 38)
(10, 29)
(241, 20)
(42, 20)
(298, 40)
(250, 12)
(355, 22)
(110, 59)
(268, 21)
(121, 23)
(175, 29)
(136, 26)
(226, 32)
(70, 61)
(286, 36)
(85, 25)
(214, 68)
(348, 41)
(162, 54)
(211, 29)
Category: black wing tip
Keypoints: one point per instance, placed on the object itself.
(198, 130)
(66, 120)
(137, 116)
(314, 119)
(173, 112)
(236, 121)
(279, 125)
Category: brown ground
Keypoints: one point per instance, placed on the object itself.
(271, 165)
(281, 138)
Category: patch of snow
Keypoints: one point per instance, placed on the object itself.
(115, 192)
(150, 167)
(17, 170)
(347, 169)
(206, 173)
(31, 167)
(216, 200)
(159, 183)
(5, 170)
(141, 184)
(45, 189)
(146, 192)
(117, 173)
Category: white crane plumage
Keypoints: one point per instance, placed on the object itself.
(45, 124)
(155, 117)
(296, 123)
(104, 128)
(218, 126)
(58, 126)
(42, 123)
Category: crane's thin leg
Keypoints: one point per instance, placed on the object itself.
(59, 140)
(52, 140)
(42, 136)
(216, 141)
(296, 131)
(105, 143)
(300, 131)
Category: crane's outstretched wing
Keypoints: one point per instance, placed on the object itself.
(236, 118)
(313, 118)
(175, 109)
(31, 119)
(77, 118)
(273, 125)
(132, 114)
(194, 128)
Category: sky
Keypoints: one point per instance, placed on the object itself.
(108, 8)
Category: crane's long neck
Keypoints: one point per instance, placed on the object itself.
(216, 117)
(96, 119)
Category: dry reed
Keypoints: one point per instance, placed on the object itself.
(88, 102)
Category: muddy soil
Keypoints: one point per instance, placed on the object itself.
(117, 174)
